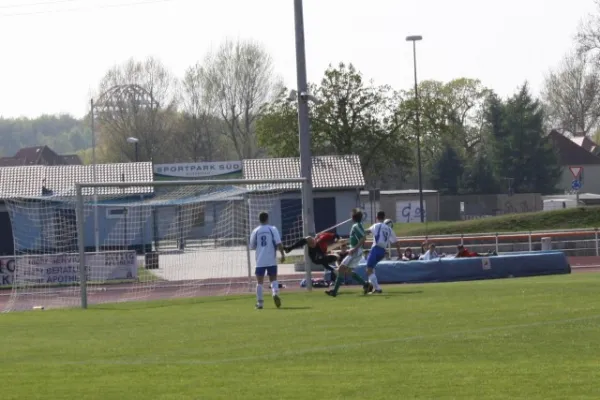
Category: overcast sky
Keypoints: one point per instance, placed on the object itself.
(54, 52)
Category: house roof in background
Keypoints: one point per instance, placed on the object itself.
(570, 153)
(39, 155)
(328, 172)
(27, 181)
(585, 142)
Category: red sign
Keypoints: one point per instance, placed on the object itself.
(576, 171)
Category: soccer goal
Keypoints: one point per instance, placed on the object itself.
(119, 242)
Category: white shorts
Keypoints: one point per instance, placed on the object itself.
(352, 260)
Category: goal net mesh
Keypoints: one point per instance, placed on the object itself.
(154, 242)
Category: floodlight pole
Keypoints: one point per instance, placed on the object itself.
(94, 177)
(414, 39)
(304, 135)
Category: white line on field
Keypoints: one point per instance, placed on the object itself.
(345, 346)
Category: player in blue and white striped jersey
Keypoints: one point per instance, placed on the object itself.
(266, 241)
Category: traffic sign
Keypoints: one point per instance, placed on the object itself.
(576, 185)
(576, 171)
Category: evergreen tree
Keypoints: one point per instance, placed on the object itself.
(448, 171)
(479, 177)
(520, 148)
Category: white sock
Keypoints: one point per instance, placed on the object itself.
(373, 280)
(259, 293)
(275, 288)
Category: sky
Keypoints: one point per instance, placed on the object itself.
(55, 52)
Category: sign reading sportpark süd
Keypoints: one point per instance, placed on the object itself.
(198, 170)
(64, 268)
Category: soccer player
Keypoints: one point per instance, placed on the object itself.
(352, 259)
(317, 250)
(382, 236)
(266, 241)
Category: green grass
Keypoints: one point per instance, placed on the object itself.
(534, 338)
(572, 218)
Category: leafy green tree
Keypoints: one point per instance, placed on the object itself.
(448, 171)
(449, 111)
(352, 117)
(62, 133)
(521, 149)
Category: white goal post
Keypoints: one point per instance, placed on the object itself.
(251, 185)
(151, 240)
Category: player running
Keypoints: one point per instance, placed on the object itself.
(266, 241)
(317, 250)
(382, 236)
(352, 259)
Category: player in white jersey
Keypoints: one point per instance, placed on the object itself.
(266, 241)
(382, 236)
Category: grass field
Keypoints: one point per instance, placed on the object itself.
(534, 338)
(572, 218)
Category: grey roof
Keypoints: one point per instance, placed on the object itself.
(570, 153)
(27, 181)
(328, 172)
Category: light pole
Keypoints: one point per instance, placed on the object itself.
(414, 39)
(135, 141)
(304, 132)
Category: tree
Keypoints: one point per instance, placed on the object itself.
(452, 111)
(352, 117)
(62, 133)
(199, 135)
(137, 99)
(448, 171)
(238, 80)
(572, 94)
(588, 35)
(521, 150)
(479, 176)
(277, 127)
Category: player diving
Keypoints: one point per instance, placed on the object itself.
(318, 248)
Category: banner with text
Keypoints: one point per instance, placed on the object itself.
(64, 268)
(410, 211)
(232, 169)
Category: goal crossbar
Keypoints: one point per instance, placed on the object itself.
(304, 187)
(199, 182)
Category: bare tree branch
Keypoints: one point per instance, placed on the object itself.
(238, 80)
(137, 99)
(571, 94)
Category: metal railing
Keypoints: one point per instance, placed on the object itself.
(587, 236)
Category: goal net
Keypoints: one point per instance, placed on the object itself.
(156, 240)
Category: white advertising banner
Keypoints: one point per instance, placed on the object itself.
(64, 268)
(410, 211)
(197, 170)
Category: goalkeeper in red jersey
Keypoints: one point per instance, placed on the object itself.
(318, 248)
